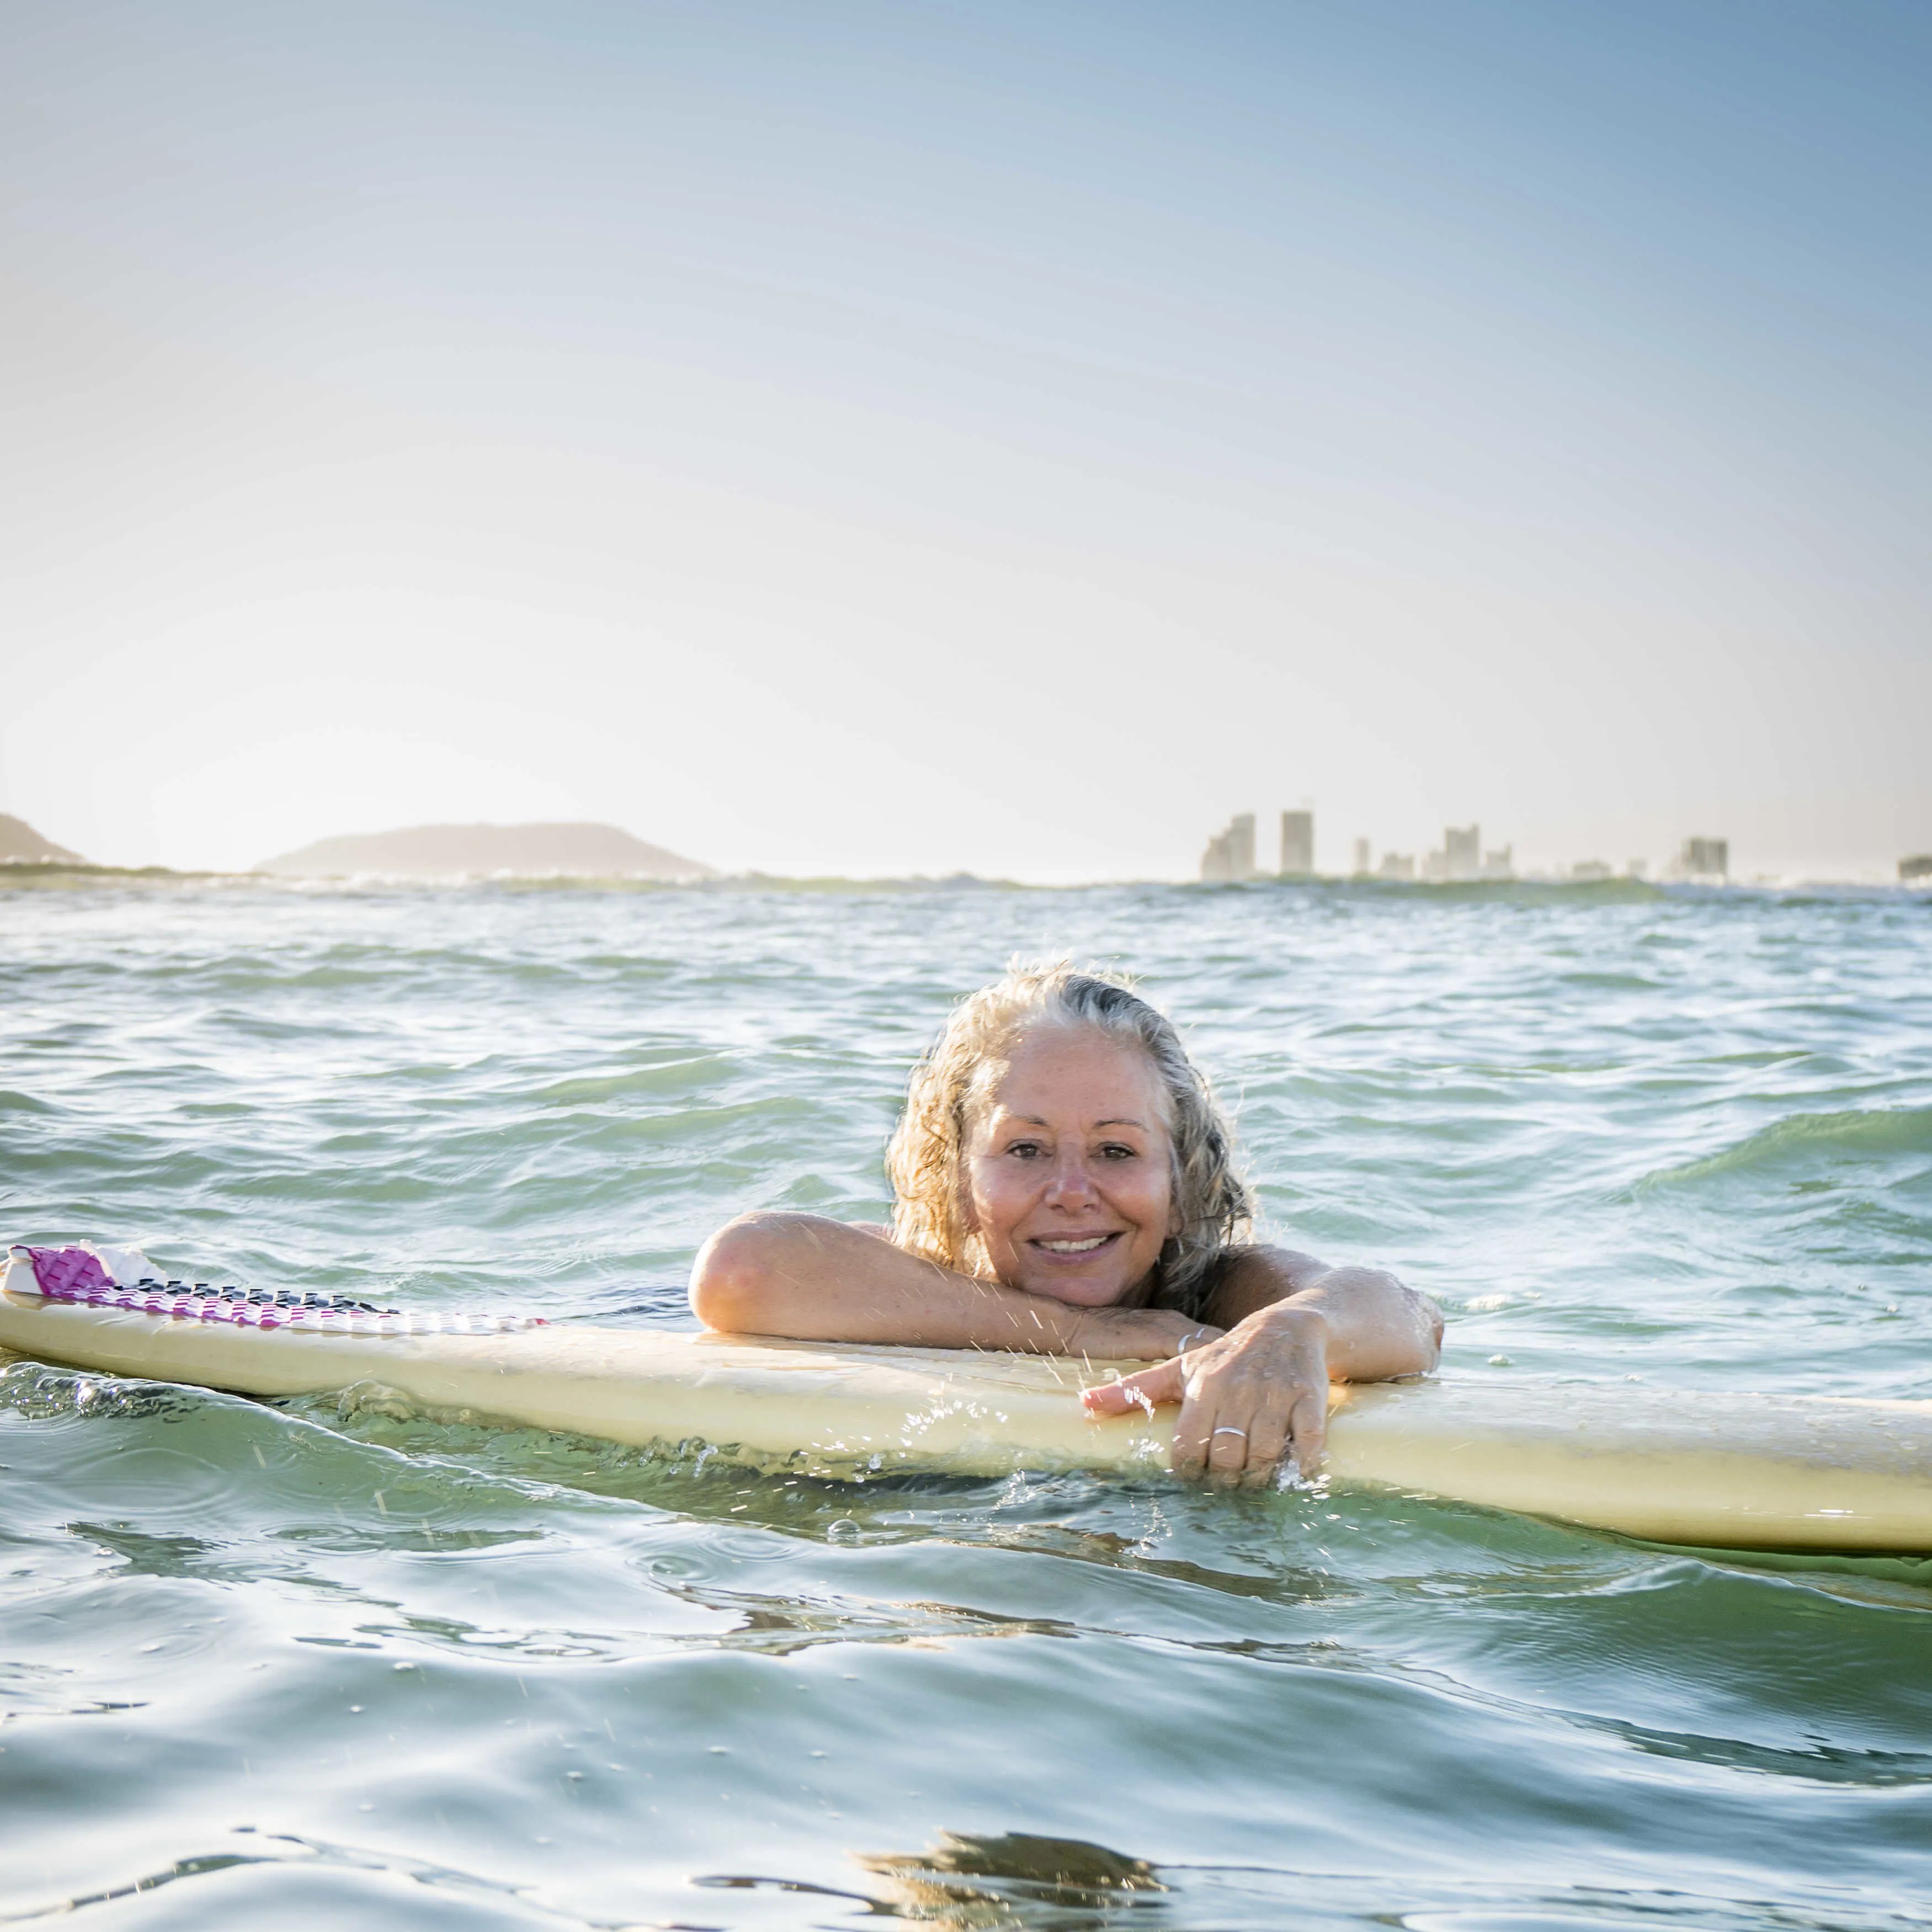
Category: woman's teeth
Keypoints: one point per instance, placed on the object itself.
(1085, 1247)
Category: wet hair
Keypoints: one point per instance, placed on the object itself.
(927, 1157)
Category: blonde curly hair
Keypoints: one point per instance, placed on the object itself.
(926, 1158)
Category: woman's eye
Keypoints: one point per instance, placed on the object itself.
(1114, 1150)
(1025, 1150)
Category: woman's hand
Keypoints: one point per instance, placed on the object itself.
(1134, 1334)
(1248, 1398)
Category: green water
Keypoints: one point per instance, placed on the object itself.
(290, 1665)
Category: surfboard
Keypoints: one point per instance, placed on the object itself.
(1716, 1469)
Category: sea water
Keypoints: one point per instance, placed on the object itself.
(322, 1663)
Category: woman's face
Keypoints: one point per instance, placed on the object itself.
(1069, 1174)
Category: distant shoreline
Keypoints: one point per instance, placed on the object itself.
(29, 873)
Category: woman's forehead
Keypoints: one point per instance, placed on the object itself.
(1059, 1067)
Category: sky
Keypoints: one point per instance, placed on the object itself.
(886, 438)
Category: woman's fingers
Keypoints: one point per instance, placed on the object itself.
(1240, 1432)
(1165, 1382)
(1169, 1381)
(1235, 1428)
(1213, 1433)
(1228, 1453)
(1193, 1434)
(1310, 1427)
(1267, 1443)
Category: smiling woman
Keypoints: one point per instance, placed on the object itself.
(1066, 1184)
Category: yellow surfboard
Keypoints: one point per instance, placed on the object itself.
(1731, 1471)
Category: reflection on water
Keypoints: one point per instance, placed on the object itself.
(324, 1662)
(969, 1881)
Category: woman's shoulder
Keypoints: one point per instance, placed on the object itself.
(1240, 1273)
(1191, 1297)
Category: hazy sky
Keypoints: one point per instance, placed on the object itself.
(876, 438)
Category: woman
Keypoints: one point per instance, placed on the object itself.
(1065, 1182)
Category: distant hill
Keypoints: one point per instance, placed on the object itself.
(20, 841)
(456, 851)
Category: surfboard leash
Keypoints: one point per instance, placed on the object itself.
(77, 1276)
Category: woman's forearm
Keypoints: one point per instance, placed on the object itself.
(1374, 1328)
(815, 1279)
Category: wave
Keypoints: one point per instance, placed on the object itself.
(1868, 1134)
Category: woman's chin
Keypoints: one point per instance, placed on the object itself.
(1077, 1293)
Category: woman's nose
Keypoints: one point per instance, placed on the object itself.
(1072, 1180)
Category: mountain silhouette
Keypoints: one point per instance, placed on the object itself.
(19, 842)
(455, 851)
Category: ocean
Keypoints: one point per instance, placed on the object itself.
(321, 1663)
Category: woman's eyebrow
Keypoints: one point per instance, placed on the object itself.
(1039, 1120)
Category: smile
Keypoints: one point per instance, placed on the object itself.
(1082, 1244)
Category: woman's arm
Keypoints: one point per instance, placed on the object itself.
(815, 1279)
(1378, 1329)
(1293, 1326)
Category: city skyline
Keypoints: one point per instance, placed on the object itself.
(1234, 855)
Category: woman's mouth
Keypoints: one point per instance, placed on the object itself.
(1074, 1246)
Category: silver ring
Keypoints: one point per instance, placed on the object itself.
(1228, 1429)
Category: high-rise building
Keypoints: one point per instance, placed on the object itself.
(1461, 856)
(1361, 868)
(1298, 843)
(1241, 844)
(1231, 854)
(1398, 866)
(1705, 858)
